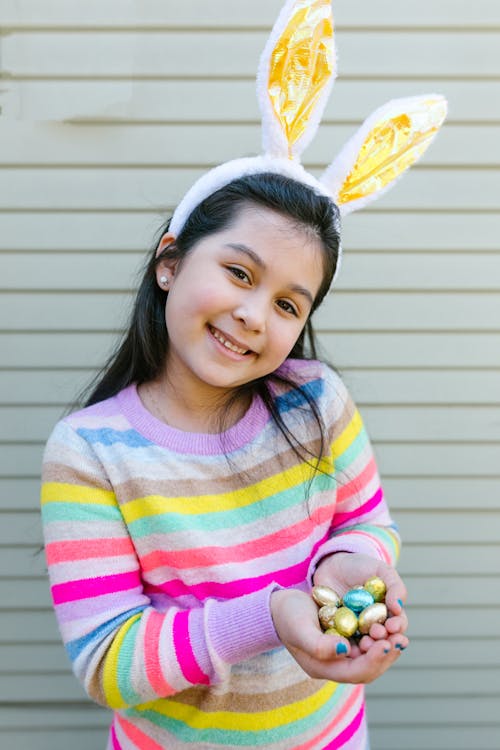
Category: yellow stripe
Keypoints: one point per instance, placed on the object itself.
(59, 492)
(246, 721)
(348, 436)
(152, 505)
(112, 692)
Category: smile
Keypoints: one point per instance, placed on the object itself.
(225, 342)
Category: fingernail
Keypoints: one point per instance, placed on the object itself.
(341, 648)
(401, 648)
(400, 603)
(387, 650)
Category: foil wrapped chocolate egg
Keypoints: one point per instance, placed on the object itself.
(323, 595)
(376, 587)
(358, 599)
(345, 621)
(332, 631)
(374, 613)
(326, 616)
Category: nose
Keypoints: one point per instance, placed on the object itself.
(252, 312)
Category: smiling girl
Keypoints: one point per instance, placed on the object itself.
(219, 470)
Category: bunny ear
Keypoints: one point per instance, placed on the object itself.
(387, 144)
(295, 75)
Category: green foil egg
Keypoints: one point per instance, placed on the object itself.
(345, 622)
(377, 588)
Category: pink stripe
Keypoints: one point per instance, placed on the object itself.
(152, 655)
(287, 577)
(114, 739)
(68, 551)
(184, 652)
(345, 491)
(353, 698)
(135, 735)
(348, 732)
(87, 588)
(341, 518)
(251, 550)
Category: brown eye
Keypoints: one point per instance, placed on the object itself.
(287, 307)
(239, 273)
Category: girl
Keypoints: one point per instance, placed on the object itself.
(214, 476)
(217, 473)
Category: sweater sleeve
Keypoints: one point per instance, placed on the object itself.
(124, 650)
(361, 521)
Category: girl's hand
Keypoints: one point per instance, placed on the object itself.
(328, 657)
(344, 570)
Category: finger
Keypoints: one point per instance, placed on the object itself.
(368, 666)
(397, 624)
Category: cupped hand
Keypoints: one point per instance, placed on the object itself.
(328, 657)
(344, 570)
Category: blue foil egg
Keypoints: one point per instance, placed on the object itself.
(358, 599)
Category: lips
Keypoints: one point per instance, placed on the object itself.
(228, 342)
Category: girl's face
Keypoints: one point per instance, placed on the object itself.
(238, 301)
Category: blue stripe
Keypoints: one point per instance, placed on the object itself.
(108, 436)
(295, 398)
(74, 648)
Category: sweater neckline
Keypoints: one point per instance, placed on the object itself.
(199, 443)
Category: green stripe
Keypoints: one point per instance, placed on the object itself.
(79, 512)
(343, 460)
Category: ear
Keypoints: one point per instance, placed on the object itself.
(385, 146)
(296, 72)
(166, 267)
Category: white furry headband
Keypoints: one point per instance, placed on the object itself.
(296, 73)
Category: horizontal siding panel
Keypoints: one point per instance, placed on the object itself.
(438, 710)
(228, 101)
(78, 718)
(364, 231)
(451, 424)
(394, 460)
(139, 53)
(369, 387)
(222, 13)
(160, 189)
(451, 493)
(77, 738)
(207, 145)
(341, 310)
(65, 689)
(415, 493)
(352, 349)
(430, 591)
(449, 737)
(471, 559)
(361, 271)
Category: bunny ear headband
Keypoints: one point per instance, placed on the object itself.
(294, 80)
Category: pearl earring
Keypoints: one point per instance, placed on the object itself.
(163, 280)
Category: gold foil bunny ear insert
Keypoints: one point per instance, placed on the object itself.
(386, 145)
(296, 73)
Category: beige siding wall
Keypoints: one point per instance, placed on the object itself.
(110, 109)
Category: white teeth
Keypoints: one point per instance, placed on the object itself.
(227, 343)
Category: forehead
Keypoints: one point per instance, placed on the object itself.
(275, 236)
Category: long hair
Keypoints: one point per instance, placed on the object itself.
(141, 354)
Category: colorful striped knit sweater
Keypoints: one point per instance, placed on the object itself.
(164, 547)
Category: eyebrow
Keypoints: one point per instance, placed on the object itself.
(241, 248)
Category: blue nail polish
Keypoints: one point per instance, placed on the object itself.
(401, 648)
(387, 650)
(341, 648)
(400, 603)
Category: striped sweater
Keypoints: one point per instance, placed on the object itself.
(163, 549)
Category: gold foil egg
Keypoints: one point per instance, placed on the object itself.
(346, 622)
(374, 613)
(325, 595)
(376, 587)
(332, 631)
(327, 616)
